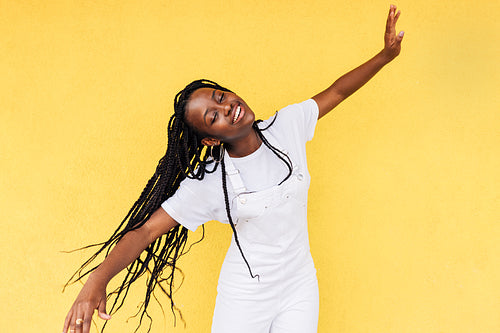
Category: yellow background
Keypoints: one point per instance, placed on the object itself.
(404, 205)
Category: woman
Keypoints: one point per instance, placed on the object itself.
(223, 165)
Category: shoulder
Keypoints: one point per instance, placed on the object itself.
(203, 186)
(195, 201)
(295, 119)
(306, 110)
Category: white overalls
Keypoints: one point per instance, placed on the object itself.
(272, 231)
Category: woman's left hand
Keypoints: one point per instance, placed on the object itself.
(392, 42)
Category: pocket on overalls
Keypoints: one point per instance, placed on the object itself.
(298, 190)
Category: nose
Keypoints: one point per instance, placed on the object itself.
(227, 109)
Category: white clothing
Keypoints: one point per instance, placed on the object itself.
(261, 169)
(271, 225)
(196, 202)
(272, 231)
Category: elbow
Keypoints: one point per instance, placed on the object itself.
(158, 224)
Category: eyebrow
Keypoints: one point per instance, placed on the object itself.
(206, 111)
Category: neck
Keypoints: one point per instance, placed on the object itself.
(244, 146)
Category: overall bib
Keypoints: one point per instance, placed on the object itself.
(272, 232)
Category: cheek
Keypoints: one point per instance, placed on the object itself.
(250, 116)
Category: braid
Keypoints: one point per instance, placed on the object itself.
(185, 157)
(228, 212)
(281, 155)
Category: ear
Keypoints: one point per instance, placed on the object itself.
(210, 142)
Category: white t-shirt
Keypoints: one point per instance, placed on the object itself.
(198, 201)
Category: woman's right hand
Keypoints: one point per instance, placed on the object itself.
(91, 297)
(93, 294)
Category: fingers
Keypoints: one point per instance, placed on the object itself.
(396, 17)
(392, 18)
(79, 322)
(83, 320)
(72, 323)
(86, 324)
(72, 326)
(391, 8)
(66, 323)
(388, 23)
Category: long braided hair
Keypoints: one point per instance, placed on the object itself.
(186, 157)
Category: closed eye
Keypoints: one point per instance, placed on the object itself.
(221, 97)
(213, 118)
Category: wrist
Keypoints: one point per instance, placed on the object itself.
(385, 56)
(97, 276)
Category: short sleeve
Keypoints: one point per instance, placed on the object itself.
(187, 208)
(310, 112)
(296, 120)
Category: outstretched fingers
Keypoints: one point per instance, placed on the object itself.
(78, 321)
(67, 321)
(396, 17)
(91, 297)
(392, 41)
(388, 23)
(84, 324)
(392, 19)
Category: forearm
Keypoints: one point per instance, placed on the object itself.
(93, 294)
(348, 83)
(132, 244)
(123, 254)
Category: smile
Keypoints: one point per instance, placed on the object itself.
(237, 114)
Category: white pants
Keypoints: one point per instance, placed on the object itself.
(295, 311)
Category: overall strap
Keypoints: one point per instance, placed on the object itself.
(234, 175)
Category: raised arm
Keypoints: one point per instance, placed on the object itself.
(93, 294)
(355, 79)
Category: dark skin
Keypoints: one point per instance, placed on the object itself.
(211, 111)
(212, 115)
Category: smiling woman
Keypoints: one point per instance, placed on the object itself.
(268, 279)
(220, 116)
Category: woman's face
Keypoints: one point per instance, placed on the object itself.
(219, 116)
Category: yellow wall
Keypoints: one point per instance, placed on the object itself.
(404, 203)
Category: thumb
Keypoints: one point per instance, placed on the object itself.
(399, 37)
(102, 310)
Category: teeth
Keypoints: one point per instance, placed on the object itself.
(236, 114)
